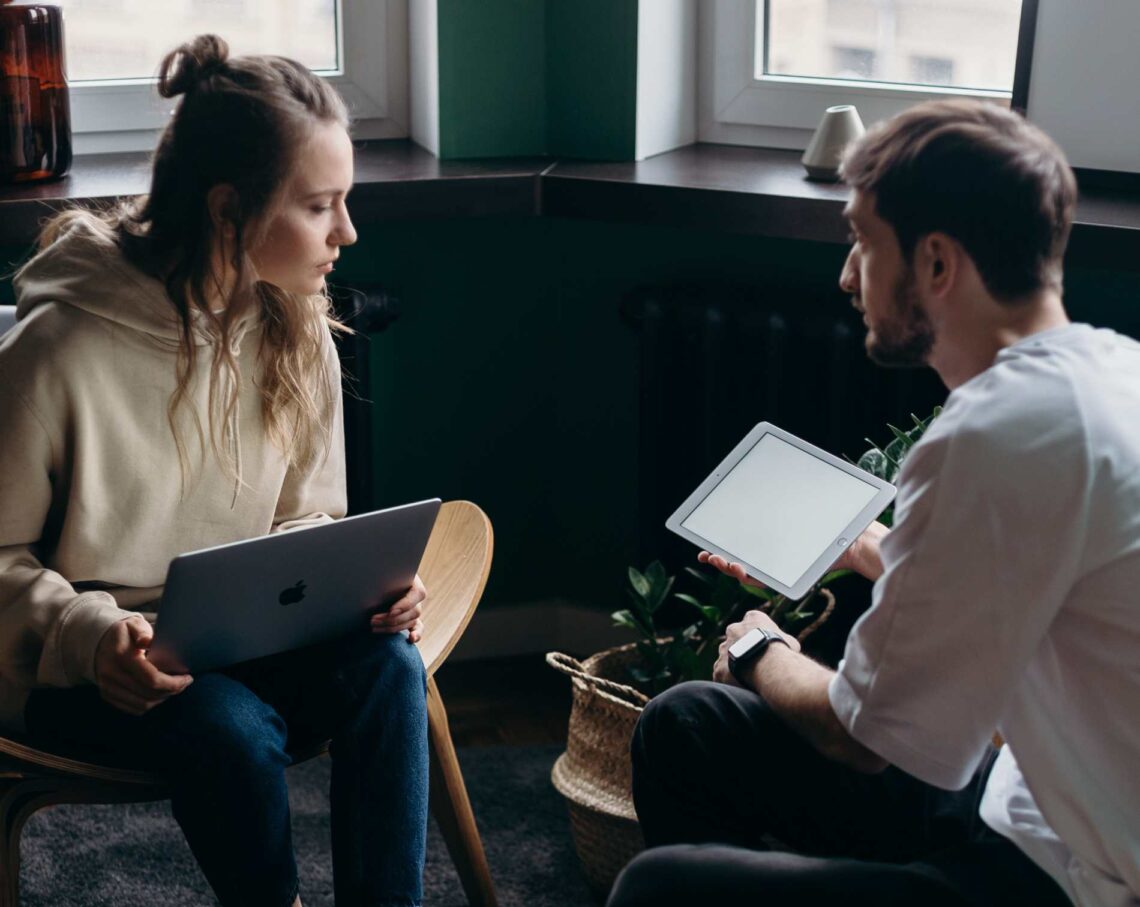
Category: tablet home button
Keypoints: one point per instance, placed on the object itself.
(842, 543)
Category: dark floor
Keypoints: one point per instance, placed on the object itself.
(517, 701)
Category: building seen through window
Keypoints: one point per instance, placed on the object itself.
(126, 39)
(968, 44)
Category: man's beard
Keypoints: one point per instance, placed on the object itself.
(905, 338)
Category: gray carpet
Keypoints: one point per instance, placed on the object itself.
(125, 855)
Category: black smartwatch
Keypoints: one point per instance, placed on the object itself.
(749, 648)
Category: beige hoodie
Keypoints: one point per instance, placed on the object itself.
(92, 504)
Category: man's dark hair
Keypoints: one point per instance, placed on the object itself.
(979, 173)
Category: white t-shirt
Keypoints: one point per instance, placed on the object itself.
(1011, 600)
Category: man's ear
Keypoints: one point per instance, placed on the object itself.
(937, 262)
(222, 203)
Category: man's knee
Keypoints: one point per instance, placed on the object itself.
(676, 712)
(656, 877)
(680, 724)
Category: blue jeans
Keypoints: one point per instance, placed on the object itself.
(224, 744)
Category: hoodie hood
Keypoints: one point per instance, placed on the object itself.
(85, 268)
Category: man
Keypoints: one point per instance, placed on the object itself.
(1007, 595)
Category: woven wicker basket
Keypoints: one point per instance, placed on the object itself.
(594, 772)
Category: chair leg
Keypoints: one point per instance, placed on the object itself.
(452, 808)
(14, 812)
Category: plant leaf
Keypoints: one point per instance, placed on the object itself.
(759, 591)
(689, 600)
(712, 615)
(883, 452)
(639, 583)
(900, 435)
(701, 575)
(874, 461)
(639, 674)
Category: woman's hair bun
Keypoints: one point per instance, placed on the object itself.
(188, 65)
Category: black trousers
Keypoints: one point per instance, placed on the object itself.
(737, 808)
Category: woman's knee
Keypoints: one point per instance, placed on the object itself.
(217, 722)
(387, 664)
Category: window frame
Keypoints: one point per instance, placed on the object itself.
(783, 111)
(127, 114)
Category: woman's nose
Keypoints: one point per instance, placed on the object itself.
(345, 232)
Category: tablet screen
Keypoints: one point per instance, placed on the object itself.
(779, 509)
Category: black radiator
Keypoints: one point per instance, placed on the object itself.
(367, 311)
(717, 360)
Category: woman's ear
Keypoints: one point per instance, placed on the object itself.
(222, 203)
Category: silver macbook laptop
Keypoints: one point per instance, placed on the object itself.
(290, 589)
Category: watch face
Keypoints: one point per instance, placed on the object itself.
(743, 645)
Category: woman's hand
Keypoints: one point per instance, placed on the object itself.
(404, 614)
(125, 678)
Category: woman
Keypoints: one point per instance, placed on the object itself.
(172, 384)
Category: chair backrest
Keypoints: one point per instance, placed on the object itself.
(7, 318)
(454, 570)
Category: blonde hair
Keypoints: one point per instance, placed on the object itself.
(239, 122)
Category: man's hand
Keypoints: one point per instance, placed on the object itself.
(862, 556)
(733, 632)
(125, 678)
(404, 614)
(729, 568)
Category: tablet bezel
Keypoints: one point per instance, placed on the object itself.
(883, 496)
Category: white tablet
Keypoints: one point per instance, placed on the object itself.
(782, 508)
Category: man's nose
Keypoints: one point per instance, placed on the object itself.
(849, 275)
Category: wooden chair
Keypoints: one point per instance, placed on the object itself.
(454, 569)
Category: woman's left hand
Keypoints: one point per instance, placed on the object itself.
(406, 614)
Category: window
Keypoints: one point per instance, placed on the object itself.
(775, 65)
(114, 48)
(850, 63)
(102, 45)
(932, 71)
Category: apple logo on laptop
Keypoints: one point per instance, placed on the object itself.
(293, 594)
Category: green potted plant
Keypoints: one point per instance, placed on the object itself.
(667, 657)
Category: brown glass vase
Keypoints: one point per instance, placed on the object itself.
(35, 117)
